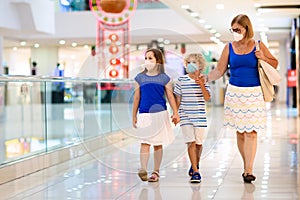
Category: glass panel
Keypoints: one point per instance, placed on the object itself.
(65, 113)
(121, 105)
(94, 112)
(21, 119)
(42, 114)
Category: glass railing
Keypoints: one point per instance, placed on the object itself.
(40, 114)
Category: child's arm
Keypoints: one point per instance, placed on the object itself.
(178, 100)
(136, 102)
(172, 102)
(200, 82)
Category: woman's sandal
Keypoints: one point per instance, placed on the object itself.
(154, 177)
(143, 174)
(248, 178)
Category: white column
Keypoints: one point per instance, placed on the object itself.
(1, 55)
(283, 59)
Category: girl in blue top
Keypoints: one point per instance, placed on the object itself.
(244, 105)
(153, 122)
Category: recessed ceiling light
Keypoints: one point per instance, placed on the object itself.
(201, 21)
(167, 42)
(74, 44)
(36, 45)
(220, 6)
(212, 38)
(207, 26)
(194, 14)
(22, 43)
(160, 39)
(217, 34)
(213, 31)
(185, 6)
(62, 42)
(257, 5)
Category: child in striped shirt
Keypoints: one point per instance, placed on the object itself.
(191, 94)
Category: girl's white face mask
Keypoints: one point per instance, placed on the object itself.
(237, 37)
(149, 65)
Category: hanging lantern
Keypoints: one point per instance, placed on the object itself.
(113, 37)
(113, 49)
(114, 61)
(113, 6)
(113, 73)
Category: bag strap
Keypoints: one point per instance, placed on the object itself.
(257, 45)
(257, 48)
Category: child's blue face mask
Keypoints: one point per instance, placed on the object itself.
(191, 68)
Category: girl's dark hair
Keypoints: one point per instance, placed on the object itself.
(245, 22)
(159, 59)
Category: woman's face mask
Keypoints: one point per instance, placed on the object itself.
(237, 37)
(191, 68)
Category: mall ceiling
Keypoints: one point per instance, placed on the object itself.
(274, 17)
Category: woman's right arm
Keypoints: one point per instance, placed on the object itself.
(221, 68)
(136, 102)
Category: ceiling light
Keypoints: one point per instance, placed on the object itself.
(86, 46)
(213, 38)
(185, 6)
(167, 42)
(256, 5)
(220, 6)
(194, 14)
(213, 31)
(201, 21)
(160, 39)
(207, 26)
(65, 3)
(15, 48)
(62, 42)
(74, 44)
(217, 34)
(36, 45)
(22, 43)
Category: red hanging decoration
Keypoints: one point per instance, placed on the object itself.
(113, 37)
(113, 73)
(182, 49)
(113, 6)
(114, 61)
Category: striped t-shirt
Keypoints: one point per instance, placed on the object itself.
(192, 109)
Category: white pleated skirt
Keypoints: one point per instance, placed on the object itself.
(155, 128)
(244, 109)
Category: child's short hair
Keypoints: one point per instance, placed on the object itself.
(201, 63)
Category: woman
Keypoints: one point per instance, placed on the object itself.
(244, 105)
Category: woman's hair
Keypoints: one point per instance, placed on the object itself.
(245, 22)
(201, 63)
(159, 59)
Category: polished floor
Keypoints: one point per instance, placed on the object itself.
(110, 173)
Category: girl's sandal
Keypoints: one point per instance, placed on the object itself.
(154, 177)
(143, 174)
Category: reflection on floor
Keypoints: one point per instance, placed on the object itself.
(111, 172)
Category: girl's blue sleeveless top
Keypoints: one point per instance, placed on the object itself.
(243, 69)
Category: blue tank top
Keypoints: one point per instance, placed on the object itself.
(243, 69)
(152, 92)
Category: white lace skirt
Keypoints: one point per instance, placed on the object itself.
(154, 128)
(244, 109)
